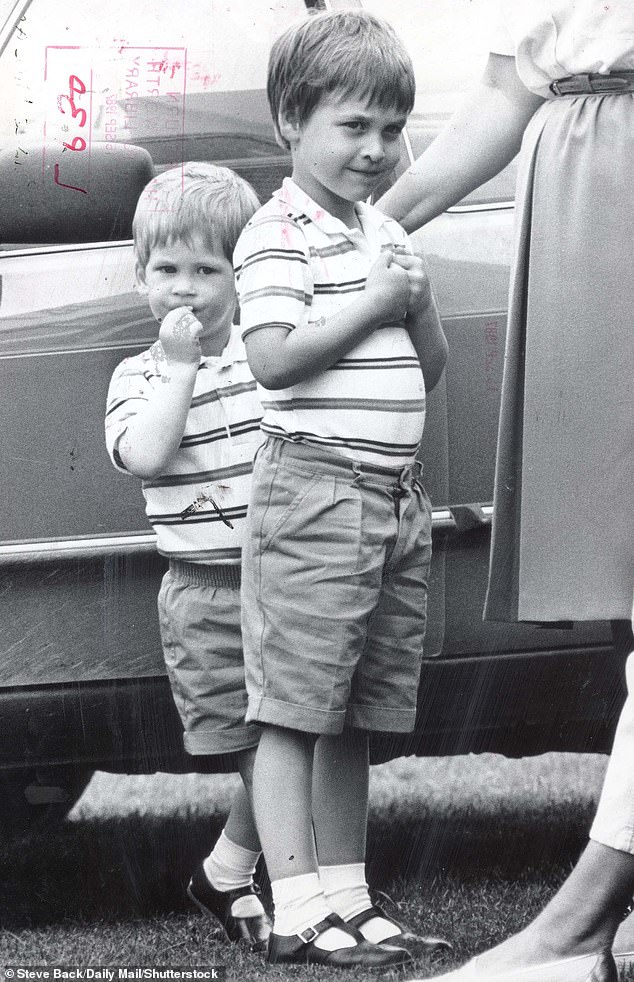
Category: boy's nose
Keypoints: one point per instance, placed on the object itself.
(183, 285)
(374, 147)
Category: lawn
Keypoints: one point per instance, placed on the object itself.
(467, 847)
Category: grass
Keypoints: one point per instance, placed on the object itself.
(469, 848)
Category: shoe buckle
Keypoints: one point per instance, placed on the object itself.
(307, 935)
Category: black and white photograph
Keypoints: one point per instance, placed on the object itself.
(220, 219)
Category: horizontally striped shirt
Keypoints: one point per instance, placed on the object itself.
(214, 460)
(298, 265)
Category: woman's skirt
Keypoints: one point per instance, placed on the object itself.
(563, 529)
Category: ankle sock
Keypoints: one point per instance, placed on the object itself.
(346, 890)
(230, 866)
(299, 904)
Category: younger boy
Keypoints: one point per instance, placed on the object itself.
(343, 335)
(184, 416)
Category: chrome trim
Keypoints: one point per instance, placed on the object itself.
(54, 550)
(486, 206)
(409, 150)
(44, 250)
(8, 28)
(99, 547)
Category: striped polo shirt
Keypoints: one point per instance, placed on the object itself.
(209, 478)
(298, 265)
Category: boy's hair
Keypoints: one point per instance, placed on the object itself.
(346, 51)
(193, 198)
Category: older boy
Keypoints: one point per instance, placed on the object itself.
(184, 416)
(343, 335)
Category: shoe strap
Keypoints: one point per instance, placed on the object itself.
(251, 889)
(366, 915)
(332, 920)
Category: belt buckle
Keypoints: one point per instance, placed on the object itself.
(572, 85)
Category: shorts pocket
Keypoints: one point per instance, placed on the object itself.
(279, 499)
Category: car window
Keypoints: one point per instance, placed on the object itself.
(182, 81)
(92, 91)
(82, 81)
(449, 44)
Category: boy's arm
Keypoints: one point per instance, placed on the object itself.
(153, 434)
(423, 321)
(280, 357)
(283, 347)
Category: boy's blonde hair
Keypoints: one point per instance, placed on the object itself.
(195, 198)
(346, 51)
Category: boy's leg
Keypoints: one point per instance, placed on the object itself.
(282, 803)
(202, 646)
(340, 787)
(297, 679)
(222, 885)
(306, 929)
(383, 698)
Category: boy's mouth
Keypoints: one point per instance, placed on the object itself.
(367, 173)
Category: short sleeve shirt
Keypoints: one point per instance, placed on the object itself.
(552, 39)
(296, 265)
(198, 506)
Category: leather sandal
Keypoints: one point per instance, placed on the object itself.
(234, 910)
(301, 949)
(407, 937)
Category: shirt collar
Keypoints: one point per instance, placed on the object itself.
(232, 352)
(292, 195)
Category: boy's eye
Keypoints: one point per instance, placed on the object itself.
(206, 270)
(393, 132)
(354, 124)
(166, 268)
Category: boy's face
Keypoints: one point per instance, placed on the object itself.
(342, 152)
(193, 274)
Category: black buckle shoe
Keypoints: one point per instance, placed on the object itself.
(218, 904)
(421, 942)
(301, 949)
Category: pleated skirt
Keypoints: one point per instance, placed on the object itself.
(563, 526)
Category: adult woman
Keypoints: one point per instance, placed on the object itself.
(559, 82)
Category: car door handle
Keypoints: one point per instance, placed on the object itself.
(471, 516)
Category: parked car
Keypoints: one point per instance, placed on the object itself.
(103, 97)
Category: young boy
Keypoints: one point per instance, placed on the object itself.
(343, 335)
(185, 417)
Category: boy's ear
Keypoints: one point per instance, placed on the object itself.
(140, 278)
(288, 125)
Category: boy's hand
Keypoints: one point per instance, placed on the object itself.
(389, 286)
(419, 286)
(178, 336)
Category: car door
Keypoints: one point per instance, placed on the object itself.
(97, 98)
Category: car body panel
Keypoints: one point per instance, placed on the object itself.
(82, 680)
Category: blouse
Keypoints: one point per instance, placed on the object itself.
(552, 39)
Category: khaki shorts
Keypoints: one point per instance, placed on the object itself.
(199, 618)
(334, 591)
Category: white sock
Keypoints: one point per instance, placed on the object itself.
(230, 866)
(346, 891)
(300, 904)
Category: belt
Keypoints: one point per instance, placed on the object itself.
(594, 84)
